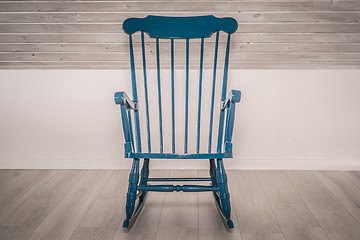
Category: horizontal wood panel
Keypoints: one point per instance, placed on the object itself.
(208, 7)
(242, 38)
(194, 59)
(61, 28)
(84, 17)
(271, 33)
(236, 46)
(243, 28)
(237, 65)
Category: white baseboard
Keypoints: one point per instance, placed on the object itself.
(121, 163)
(295, 164)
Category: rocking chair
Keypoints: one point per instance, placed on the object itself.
(175, 29)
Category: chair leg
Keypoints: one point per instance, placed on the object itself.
(131, 195)
(213, 172)
(224, 192)
(144, 172)
(144, 177)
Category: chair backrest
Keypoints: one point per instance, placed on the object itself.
(183, 28)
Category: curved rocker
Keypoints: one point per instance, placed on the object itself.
(132, 212)
(227, 221)
(129, 222)
(222, 197)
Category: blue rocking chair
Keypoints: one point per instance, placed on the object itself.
(179, 29)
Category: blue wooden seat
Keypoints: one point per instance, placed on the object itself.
(179, 29)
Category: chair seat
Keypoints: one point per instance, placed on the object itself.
(179, 156)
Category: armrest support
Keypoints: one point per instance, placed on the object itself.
(123, 99)
(126, 104)
(233, 96)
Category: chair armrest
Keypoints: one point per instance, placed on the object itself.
(233, 96)
(123, 99)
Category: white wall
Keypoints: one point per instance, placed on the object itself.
(288, 119)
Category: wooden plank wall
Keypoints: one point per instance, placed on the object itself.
(88, 34)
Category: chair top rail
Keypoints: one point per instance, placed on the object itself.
(180, 27)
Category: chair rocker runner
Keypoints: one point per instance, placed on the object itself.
(179, 29)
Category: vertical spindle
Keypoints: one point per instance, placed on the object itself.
(199, 102)
(135, 98)
(146, 92)
(159, 93)
(213, 92)
(223, 95)
(172, 96)
(186, 97)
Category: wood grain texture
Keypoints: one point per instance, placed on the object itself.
(244, 17)
(146, 226)
(79, 204)
(22, 190)
(176, 6)
(353, 176)
(294, 217)
(254, 213)
(303, 28)
(329, 212)
(65, 218)
(122, 38)
(122, 57)
(104, 216)
(9, 178)
(180, 213)
(237, 47)
(122, 65)
(26, 218)
(243, 28)
(210, 225)
(342, 188)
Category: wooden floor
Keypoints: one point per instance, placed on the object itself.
(89, 204)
